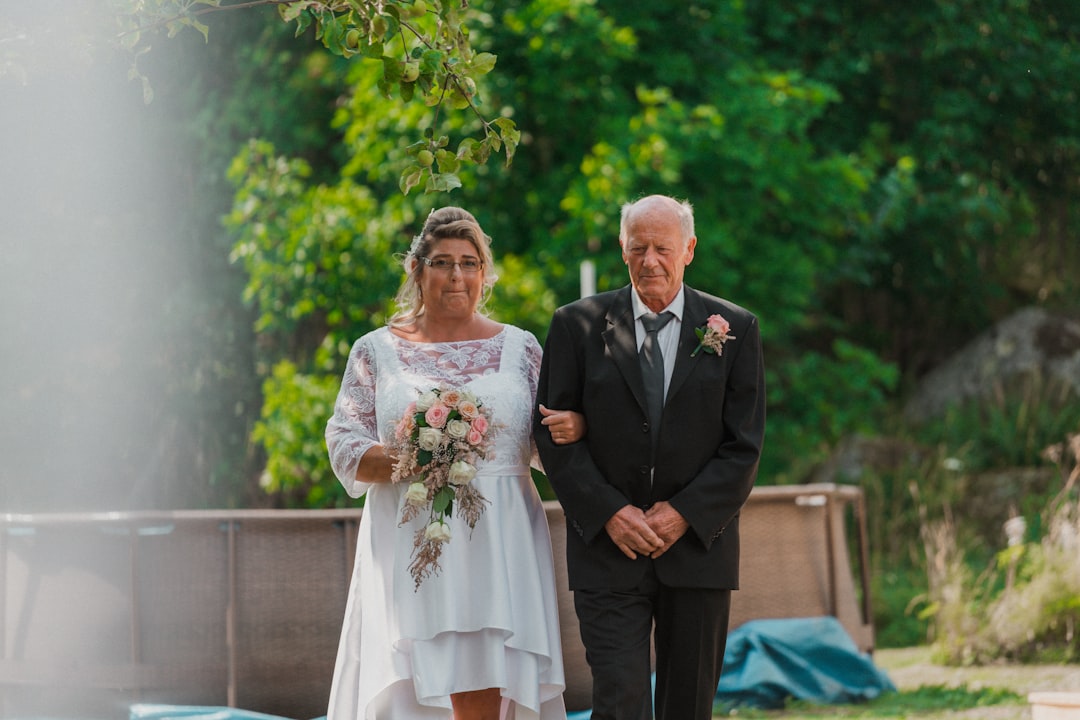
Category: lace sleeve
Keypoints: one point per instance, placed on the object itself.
(353, 430)
(533, 356)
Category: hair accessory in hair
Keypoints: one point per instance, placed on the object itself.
(414, 248)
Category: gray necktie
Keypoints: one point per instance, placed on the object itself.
(652, 368)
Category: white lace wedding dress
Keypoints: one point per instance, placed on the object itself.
(490, 617)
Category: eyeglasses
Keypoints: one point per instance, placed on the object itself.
(468, 265)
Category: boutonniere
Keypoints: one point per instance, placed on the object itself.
(713, 336)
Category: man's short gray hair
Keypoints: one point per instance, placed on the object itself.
(682, 208)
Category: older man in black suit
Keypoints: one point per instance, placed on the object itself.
(652, 494)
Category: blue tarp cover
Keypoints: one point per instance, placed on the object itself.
(813, 659)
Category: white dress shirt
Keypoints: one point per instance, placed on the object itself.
(667, 337)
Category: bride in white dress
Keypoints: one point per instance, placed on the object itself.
(479, 636)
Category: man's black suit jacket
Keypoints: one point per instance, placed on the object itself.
(708, 449)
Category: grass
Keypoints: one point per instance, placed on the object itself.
(926, 691)
(924, 702)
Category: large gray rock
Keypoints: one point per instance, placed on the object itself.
(1029, 345)
(859, 456)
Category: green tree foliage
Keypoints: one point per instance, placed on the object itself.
(293, 418)
(966, 98)
(320, 264)
(422, 48)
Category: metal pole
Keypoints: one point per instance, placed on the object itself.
(587, 278)
(231, 617)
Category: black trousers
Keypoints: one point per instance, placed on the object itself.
(690, 635)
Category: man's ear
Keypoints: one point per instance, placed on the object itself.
(690, 245)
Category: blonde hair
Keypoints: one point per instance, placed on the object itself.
(442, 224)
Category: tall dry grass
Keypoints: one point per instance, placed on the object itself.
(1026, 605)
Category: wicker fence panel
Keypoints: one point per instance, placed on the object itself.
(243, 608)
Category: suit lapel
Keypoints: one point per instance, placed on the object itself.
(621, 341)
(694, 316)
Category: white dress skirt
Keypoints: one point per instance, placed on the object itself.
(489, 618)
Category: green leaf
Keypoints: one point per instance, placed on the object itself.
(442, 182)
(476, 151)
(510, 135)
(457, 100)
(373, 49)
(443, 500)
(431, 61)
(410, 178)
(391, 70)
(448, 161)
(291, 11)
(303, 22)
(333, 33)
(483, 63)
(451, 181)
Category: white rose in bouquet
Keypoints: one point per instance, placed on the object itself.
(416, 494)
(461, 473)
(437, 531)
(426, 400)
(429, 439)
(457, 429)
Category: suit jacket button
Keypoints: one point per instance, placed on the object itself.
(645, 427)
(644, 469)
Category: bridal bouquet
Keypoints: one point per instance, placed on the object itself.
(439, 442)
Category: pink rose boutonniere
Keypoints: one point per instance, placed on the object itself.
(713, 336)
